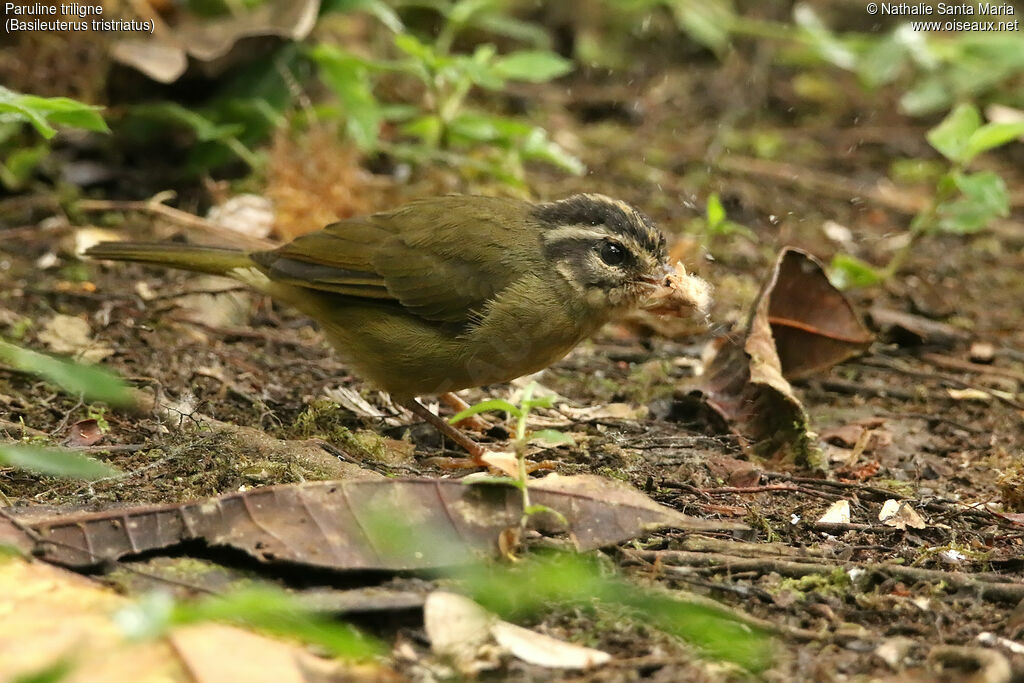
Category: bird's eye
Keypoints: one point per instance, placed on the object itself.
(612, 254)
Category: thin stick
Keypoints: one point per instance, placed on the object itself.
(985, 588)
(178, 216)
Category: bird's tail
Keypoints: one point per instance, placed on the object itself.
(213, 260)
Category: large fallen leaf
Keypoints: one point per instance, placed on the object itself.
(800, 317)
(395, 524)
(50, 615)
(814, 325)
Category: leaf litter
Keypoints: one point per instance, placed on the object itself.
(365, 525)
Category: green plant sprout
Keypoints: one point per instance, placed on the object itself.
(716, 224)
(18, 161)
(263, 608)
(442, 126)
(964, 202)
(519, 443)
(86, 381)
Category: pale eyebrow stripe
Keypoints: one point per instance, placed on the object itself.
(575, 233)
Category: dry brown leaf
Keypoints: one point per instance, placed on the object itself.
(814, 325)
(463, 631)
(899, 514)
(164, 56)
(907, 329)
(68, 334)
(837, 513)
(214, 653)
(460, 630)
(541, 650)
(393, 524)
(84, 433)
(49, 613)
(799, 324)
(610, 411)
(249, 214)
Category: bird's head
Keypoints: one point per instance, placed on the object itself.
(606, 250)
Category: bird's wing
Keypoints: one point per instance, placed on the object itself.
(441, 258)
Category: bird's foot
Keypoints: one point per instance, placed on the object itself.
(479, 456)
(476, 423)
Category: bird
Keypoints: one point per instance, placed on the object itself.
(450, 292)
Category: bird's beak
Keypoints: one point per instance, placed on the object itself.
(658, 278)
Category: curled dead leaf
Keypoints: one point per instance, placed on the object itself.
(837, 513)
(799, 324)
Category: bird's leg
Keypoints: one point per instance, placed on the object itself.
(475, 450)
(474, 422)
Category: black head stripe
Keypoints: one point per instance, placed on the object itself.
(583, 209)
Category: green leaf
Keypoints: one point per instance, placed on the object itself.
(21, 164)
(553, 437)
(54, 672)
(378, 8)
(464, 11)
(262, 608)
(494, 404)
(715, 211)
(204, 129)
(983, 197)
(539, 402)
(707, 22)
(55, 462)
(491, 480)
(537, 146)
(40, 111)
(427, 128)
(930, 94)
(951, 136)
(533, 66)
(882, 62)
(349, 79)
(93, 383)
(476, 127)
(829, 47)
(846, 272)
(510, 27)
(412, 46)
(538, 584)
(990, 136)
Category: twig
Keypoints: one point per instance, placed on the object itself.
(966, 366)
(178, 216)
(880, 495)
(933, 418)
(823, 182)
(879, 362)
(990, 588)
(25, 430)
(734, 613)
(766, 488)
(858, 389)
